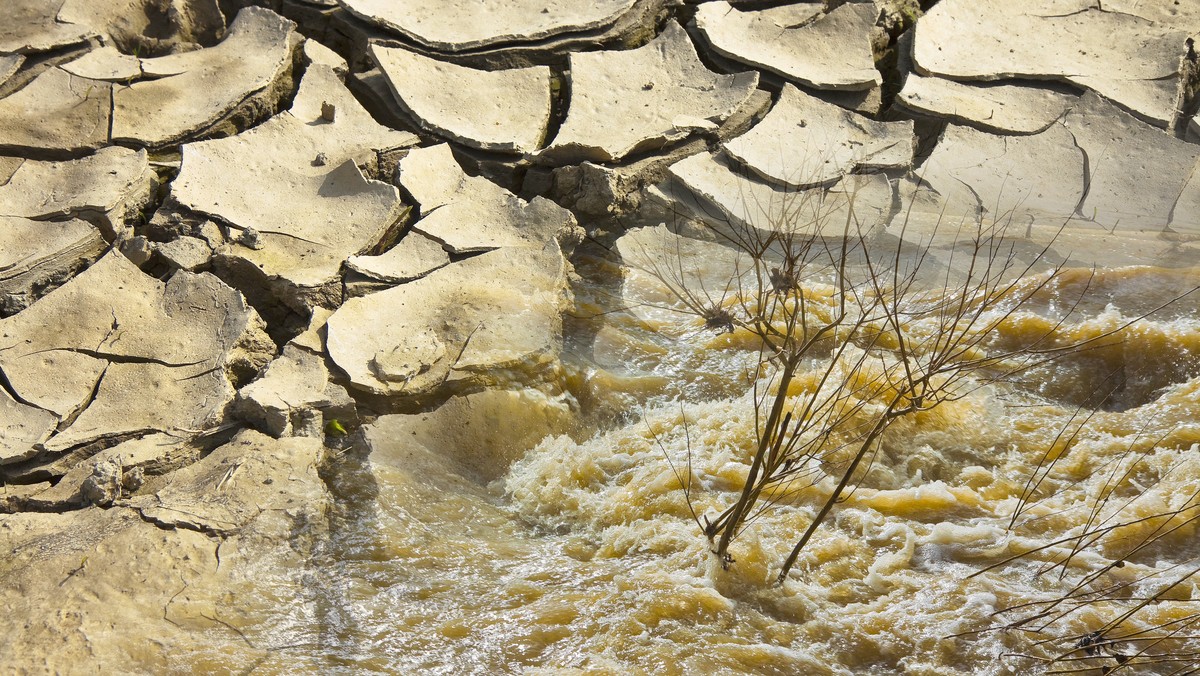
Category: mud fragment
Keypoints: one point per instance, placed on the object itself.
(415, 256)
(9, 64)
(799, 42)
(804, 142)
(120, 343)
(707, 187)
(191, 92)
(107, 187)
(240, 524)
(289, 397)
(1038, 178)
(316, 216)
(106, 63)
(56, 114)
(458, 25)
(500, 110)
(469, 321)
(1136, 173)
(996, 108)
(32, 26)
(627, 102)
(1001, 39)
(470, 214)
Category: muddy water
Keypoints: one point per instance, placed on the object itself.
(583, 556)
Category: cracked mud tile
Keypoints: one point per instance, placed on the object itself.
(499, 110)
(995, 108)
(626, 102)
(470, 213)
(242, 522)
(457, 25)
(1038, 177)
(708, 188)
(321, 210)
(189, 92)
(154, 342)
(825, 51)
(497, 311)
(804, 142)
(1071, 42)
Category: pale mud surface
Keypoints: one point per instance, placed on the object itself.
(328, 342)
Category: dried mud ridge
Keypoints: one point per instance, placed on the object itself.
(232, 234)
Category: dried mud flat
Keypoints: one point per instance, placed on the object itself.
(237, 239)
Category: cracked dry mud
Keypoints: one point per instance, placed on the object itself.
(250, 247)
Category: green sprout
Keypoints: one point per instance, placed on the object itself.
(334, 428)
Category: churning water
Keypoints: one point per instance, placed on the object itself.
(578, 553)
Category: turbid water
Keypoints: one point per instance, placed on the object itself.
(500, 548)
(583, 557)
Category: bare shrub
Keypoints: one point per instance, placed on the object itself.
(857, 328)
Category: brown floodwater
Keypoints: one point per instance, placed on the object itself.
(583, 555)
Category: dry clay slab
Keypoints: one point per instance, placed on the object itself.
(102, 354)
(500, 110)
(500, 309)
(1068, 40)
(57, 217)
(625, 102)
(106, 97)
(458, 25)
(805, 142)
(321, 209)
(797, 42)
